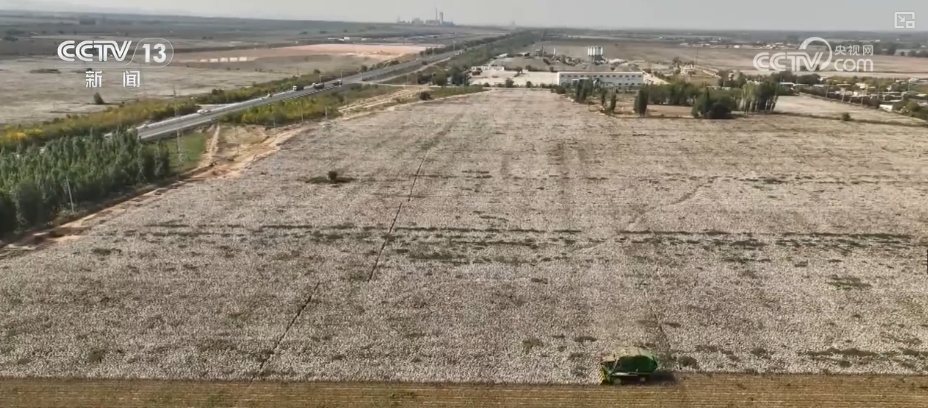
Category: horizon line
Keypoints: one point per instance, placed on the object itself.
(179, 13)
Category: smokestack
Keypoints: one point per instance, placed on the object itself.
(436, 13)
(441, 17)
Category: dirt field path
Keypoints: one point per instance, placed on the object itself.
(694, 390)
(370, 103)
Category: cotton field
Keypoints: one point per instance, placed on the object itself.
(507, 236)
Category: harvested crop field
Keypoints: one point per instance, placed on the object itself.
(505, 236)
(807, 105)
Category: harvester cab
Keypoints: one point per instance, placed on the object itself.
(627, 363)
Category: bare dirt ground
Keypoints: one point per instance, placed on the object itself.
(304, 57)
(625, 105)
(292, 65)
(504, 237)
(382, 51)
(819, 107)
(30, 97)
(405, 94)
(691, 390)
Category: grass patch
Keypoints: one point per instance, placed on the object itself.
(303, 109)
(191, 145)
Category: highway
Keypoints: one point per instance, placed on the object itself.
(168, 128)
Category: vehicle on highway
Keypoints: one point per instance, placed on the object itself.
(158, 129)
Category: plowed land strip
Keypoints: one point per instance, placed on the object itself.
(691, 390)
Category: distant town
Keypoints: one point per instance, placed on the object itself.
(439, 20)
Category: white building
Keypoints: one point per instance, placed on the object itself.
(629, 79)
(488, 68)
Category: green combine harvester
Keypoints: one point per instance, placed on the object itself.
(627, 363)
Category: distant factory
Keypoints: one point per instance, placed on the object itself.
(438, 21)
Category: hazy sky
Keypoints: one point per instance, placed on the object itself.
(704, 14)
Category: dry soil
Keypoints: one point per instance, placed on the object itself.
(807, 105)
(28, 96)
(688, 391)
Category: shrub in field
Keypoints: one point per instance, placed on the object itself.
(509, 83)
(760, 98)
(845, 116)
(424, 96)
(333, 175)
(641, 102)
(440, 79)
(97, 99)
(708, 107)
(528, 84)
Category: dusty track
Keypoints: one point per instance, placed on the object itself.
(379, 101)
(691, 390)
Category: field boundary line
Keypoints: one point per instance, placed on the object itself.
(280, 339)
(444, 131)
